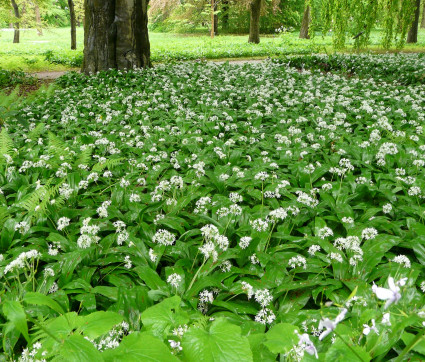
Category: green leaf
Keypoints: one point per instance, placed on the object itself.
(339, 351)
(77, 348)
(41, 299)
(161, 317)
(259, 351)
(99, 323)
(281, 338)
(418, 347)
(222, 342)
(16, 315)
(140, 347)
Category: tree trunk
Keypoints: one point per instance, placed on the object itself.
(73, 24)
(254, 24)
(212, 32)
(215, 19)
(116, 35)
(423, 17)
(305, 24)
(38, 19)
(225, 12)
(412, 36)
(17, 16)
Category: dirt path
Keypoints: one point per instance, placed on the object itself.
(48, 75)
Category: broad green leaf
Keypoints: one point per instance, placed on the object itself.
(77, 348)
(281, 338)
(41, 299)
(140, 347)
(221, 343)
(16, 315)
(418, 347)
(162, 317)
(99, 323)
(340, 352)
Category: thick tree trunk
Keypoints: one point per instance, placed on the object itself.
(254, 24)
(305, 24)
(38, 19)
(73, 24)
(423, 17)
(412, 36)
(225, 12)
(116, 35)
(16, 25)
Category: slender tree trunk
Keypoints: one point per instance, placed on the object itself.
(212, 19)
(254, 24)
(412, 36)
(38, 19)
(305, 24)
(17, 16)
(423, 16)
(215, 19)
(116, 35)
(225, 11)
(73, 24)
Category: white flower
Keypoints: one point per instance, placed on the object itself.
(312, 250)
(386, 209)
(174, 279)
(209, 232)
(152, 256)
(403, 260)
(297, 261)
(259, 225)
(369, 233)
(330, 325)
(127, 262)
(246, 287)
(325, 232)
(63, 222)
(263, 297)
(265, 316)
(367, 328)
(307, 345)
(244, 242)
(391, 295)
(164, 237)
(22, 227)
(386, 319)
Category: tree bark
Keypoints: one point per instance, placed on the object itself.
(412, 36)
(225, 12)
(73, 24)
(212, 32)
(254, 24)
(116, 35)
(305, 24)
(215, 19)
(38, 19)
(423, 17)
(16, 25)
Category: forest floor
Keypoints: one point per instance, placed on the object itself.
(51, 51)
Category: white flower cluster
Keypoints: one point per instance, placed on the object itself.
(213, 240)
(21, 261)
(88, 234)
(164, 237)
(103, 209)
(63, 222)
(122, 232)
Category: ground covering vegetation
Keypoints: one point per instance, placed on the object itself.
(51, 52)
(199, 211)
